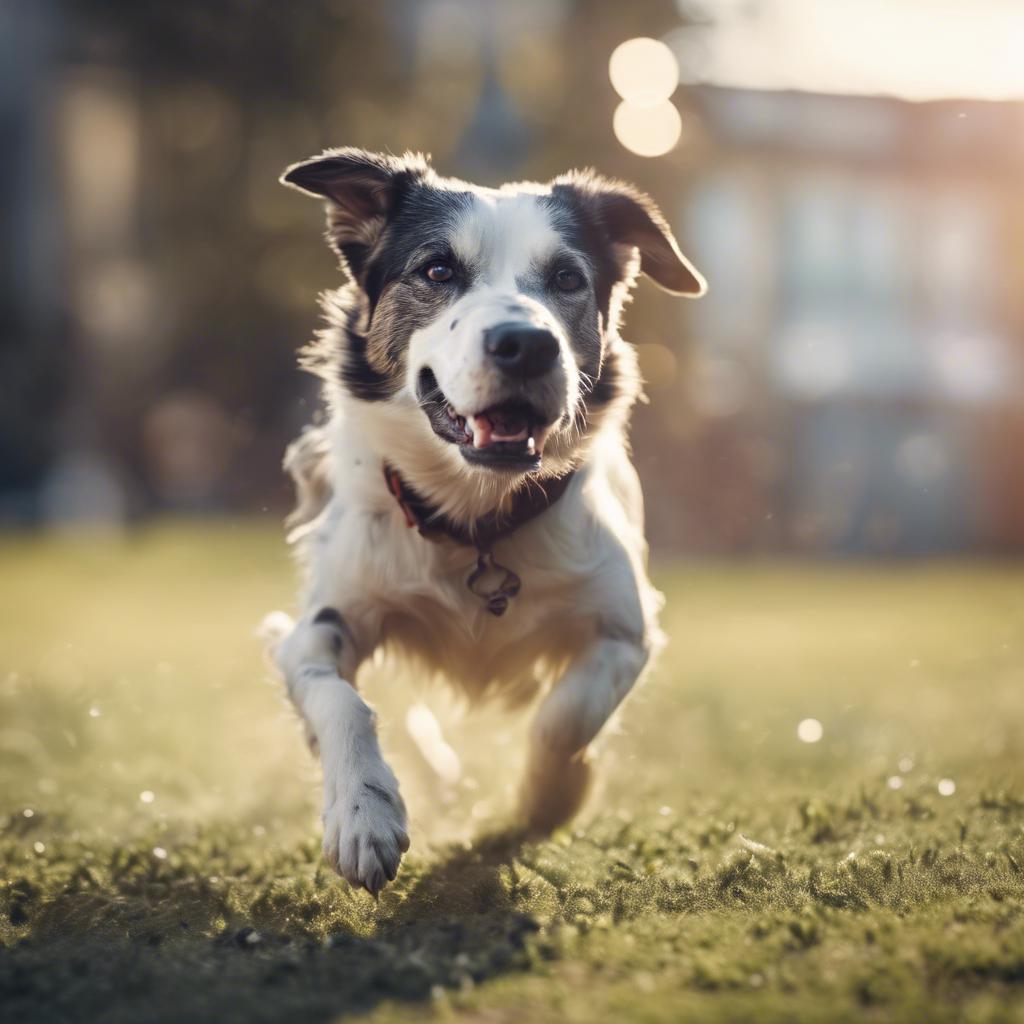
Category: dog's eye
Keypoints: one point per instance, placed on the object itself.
(568, 281)
(438, 272)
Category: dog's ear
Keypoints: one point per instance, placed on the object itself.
(361, 190)
(632, 221)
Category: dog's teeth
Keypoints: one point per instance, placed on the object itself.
(531, 446)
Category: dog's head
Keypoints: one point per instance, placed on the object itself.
(488, 315)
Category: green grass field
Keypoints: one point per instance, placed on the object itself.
(159, 832)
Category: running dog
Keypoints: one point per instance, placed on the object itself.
(468, 504)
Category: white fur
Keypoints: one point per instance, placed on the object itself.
(582, 628)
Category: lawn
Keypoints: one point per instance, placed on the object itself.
(159, 833)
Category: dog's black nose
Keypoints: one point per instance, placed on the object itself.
(521, 350)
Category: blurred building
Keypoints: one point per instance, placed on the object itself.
(864, 326)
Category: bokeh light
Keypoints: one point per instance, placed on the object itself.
(643, 71)
(647, 130)
(810, 730)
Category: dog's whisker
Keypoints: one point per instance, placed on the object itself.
(587, 382)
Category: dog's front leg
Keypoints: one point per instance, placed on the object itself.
(568, 719)
(365, 831)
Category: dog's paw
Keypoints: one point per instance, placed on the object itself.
(365, 833)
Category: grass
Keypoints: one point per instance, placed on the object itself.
(159, 847)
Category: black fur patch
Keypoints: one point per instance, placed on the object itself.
(578, 220)
(328, 617)
(363, 191)
(331, 617)
(361, 378)
(613, 382)
(389, 301)
(424, 217)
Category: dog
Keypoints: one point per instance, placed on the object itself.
(468, 504)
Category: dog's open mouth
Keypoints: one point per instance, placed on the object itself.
(509, 434)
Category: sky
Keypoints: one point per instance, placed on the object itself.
(914, 49)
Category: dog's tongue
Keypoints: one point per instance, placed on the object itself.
(498, 426)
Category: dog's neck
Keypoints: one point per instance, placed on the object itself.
(525, 504)
(480, 534)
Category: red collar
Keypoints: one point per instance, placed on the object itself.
(482, 533)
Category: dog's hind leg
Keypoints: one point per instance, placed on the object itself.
(569, 718)
(365, 831)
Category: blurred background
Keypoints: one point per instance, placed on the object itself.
(847, 176)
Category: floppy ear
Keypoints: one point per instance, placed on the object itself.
(632, 220)
(361, 189)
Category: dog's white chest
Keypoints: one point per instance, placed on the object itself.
(578, 567)
(446, 627)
